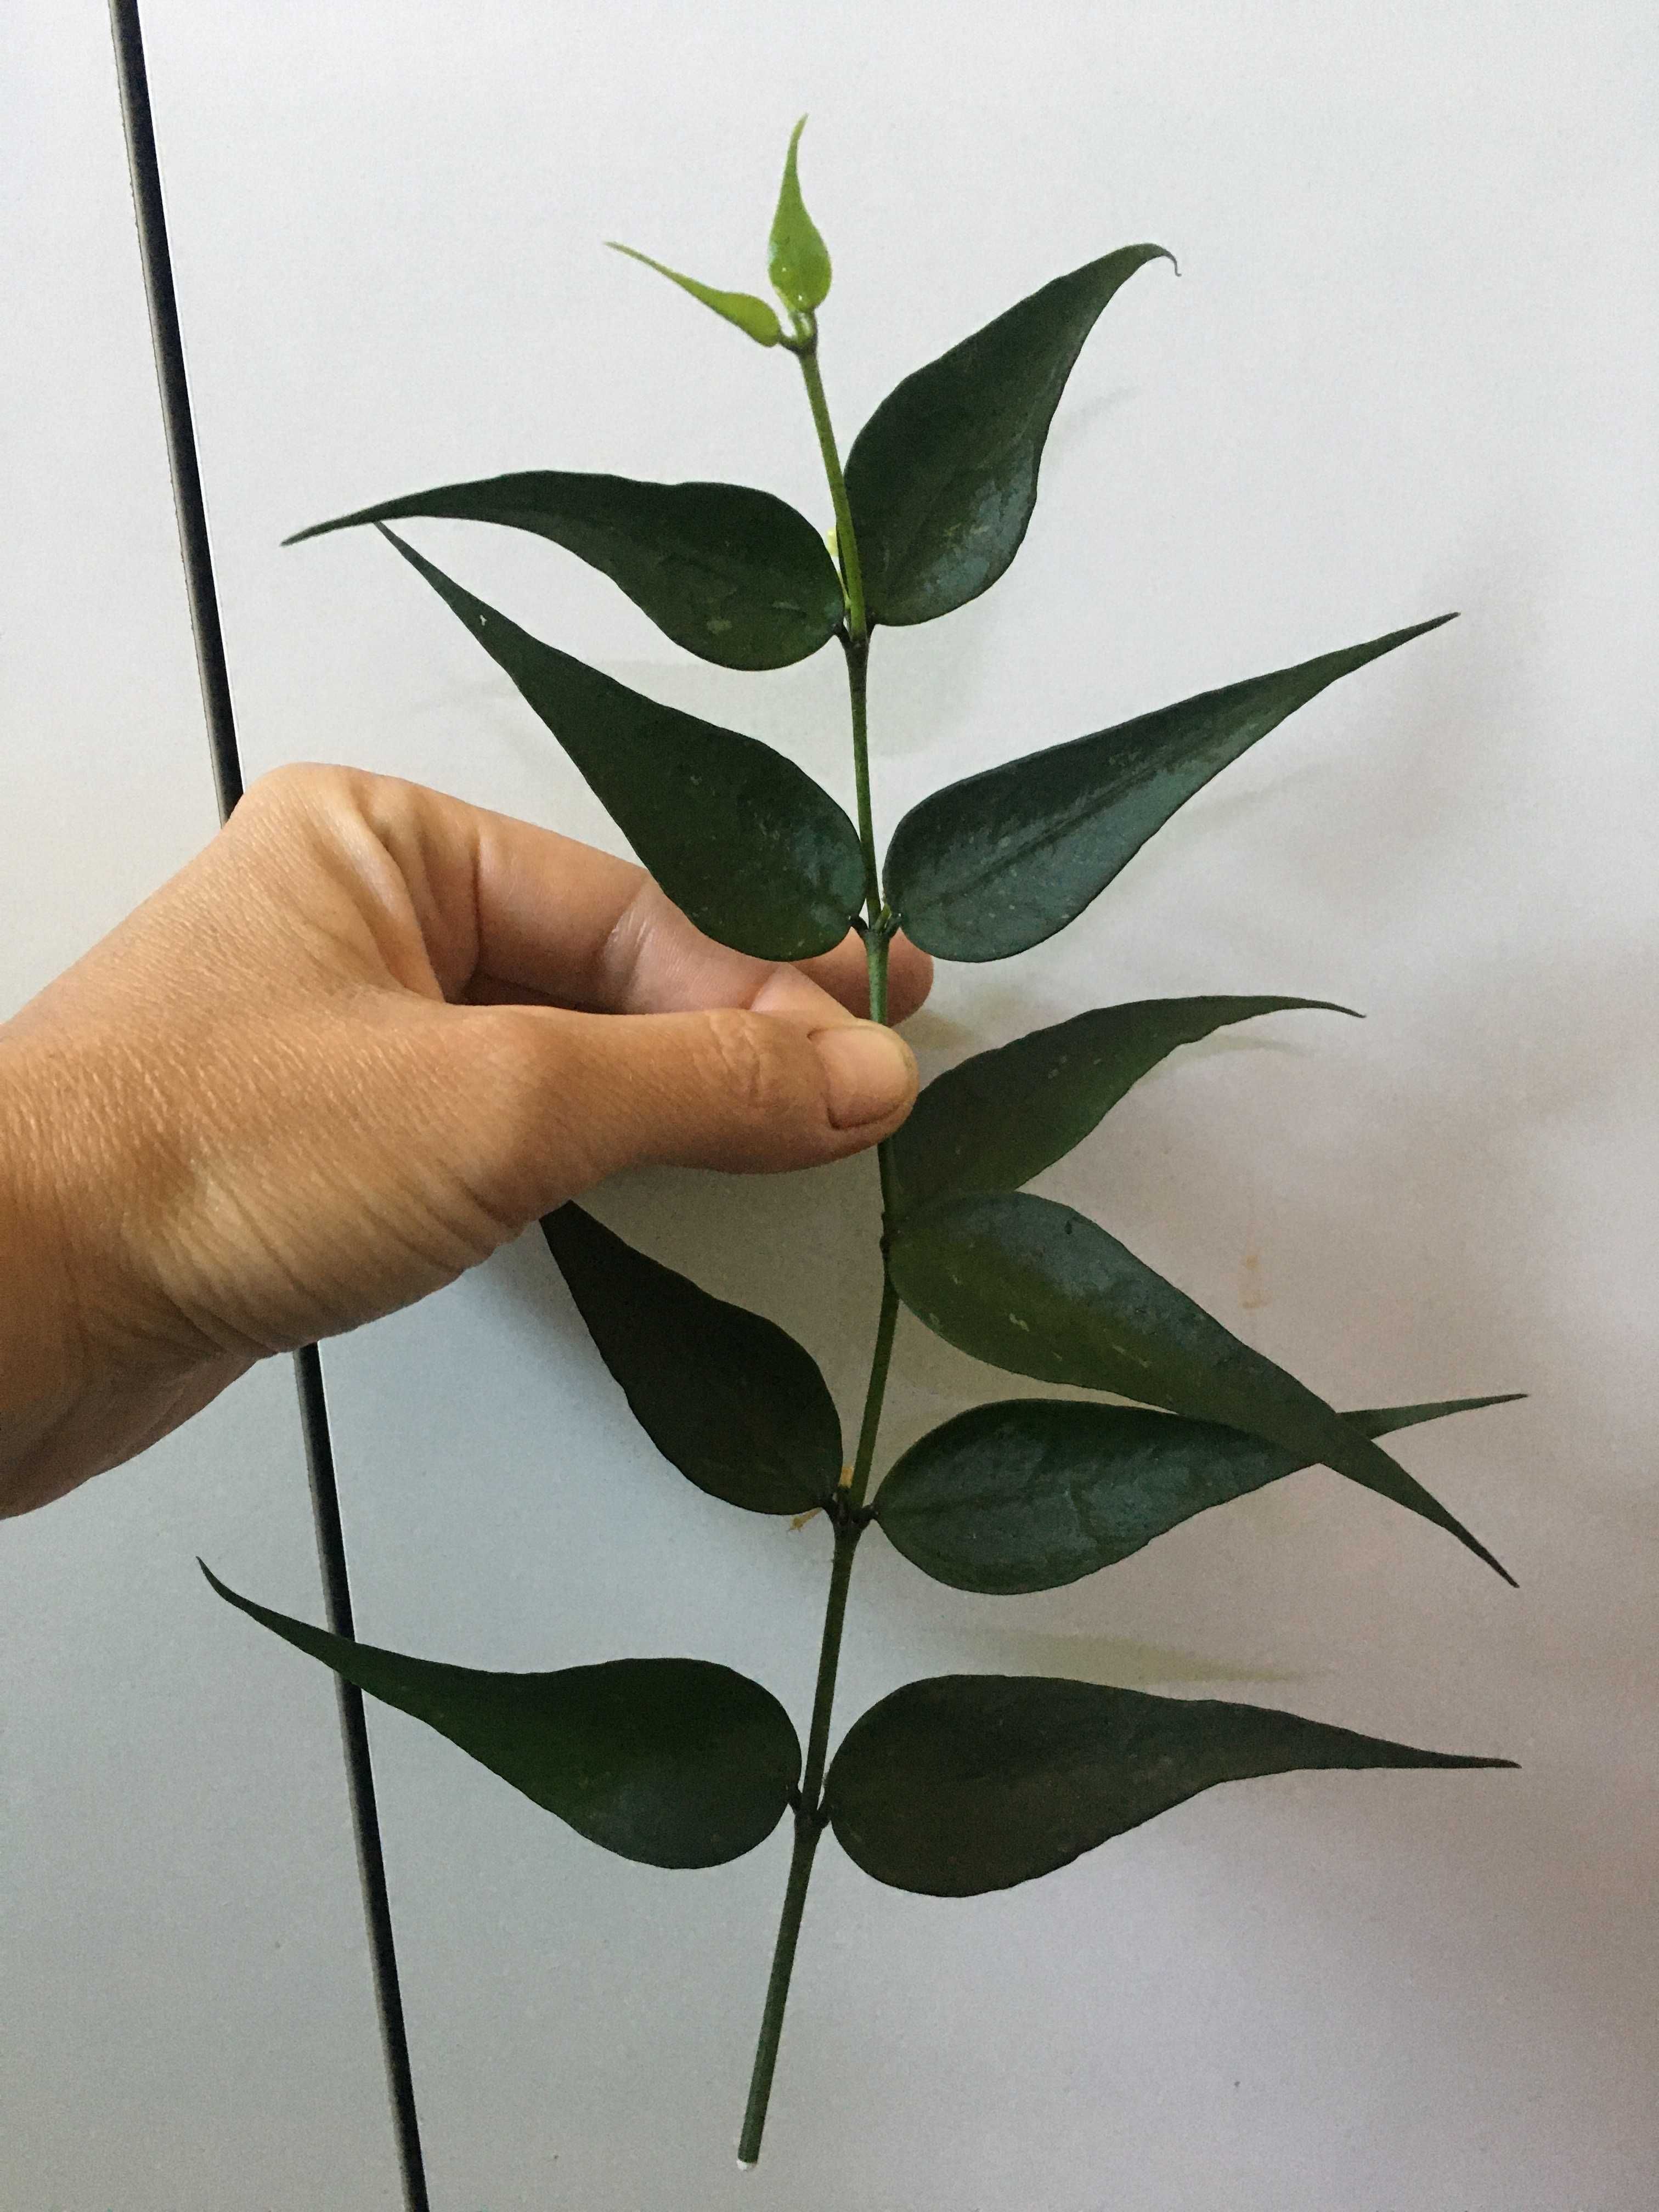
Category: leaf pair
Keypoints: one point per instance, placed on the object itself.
(760, 857)
(1017, 1496)
(951, 1787)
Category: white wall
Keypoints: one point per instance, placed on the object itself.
(1408, 365)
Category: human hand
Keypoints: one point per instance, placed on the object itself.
(362, 1040)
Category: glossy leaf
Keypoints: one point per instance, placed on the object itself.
(732, 574)
(1031, 1494)
(675, 1762)
(998, 862)
(944, 475)
(756, 318)
(1034, 1288)
(726, 1396)
(1003, 1116)
(741, 840)
(970, 1783)
(797, 260)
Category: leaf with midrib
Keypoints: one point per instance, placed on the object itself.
(1031, 1494)
(995, 864)
(1036, 1289)
(727, 1396)
(733, 574)
(943, 477)
(673, 1762)
(970, 1782)
(743, 841)
(1001, 1118)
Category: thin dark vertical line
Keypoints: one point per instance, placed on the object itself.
(145, 172)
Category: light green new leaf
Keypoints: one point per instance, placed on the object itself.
(726, 1396)
(943, 477)
(994, 864)
(674, 1762)
(1036, 1289)
(741, 840)
(797, 260)
(756, 318)
(1003, 1116)
(970, 1783)
(732, 574)
(1031, 1494)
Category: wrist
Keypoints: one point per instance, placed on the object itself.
(78, 1393)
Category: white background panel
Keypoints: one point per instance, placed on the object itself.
(1407, 366)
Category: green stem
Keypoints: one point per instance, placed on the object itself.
(808, 1829)
(846, 544)
(809, 1812)
(857, 685)
(847, 1510)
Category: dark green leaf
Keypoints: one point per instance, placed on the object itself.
(798, 259)
(733, 574)
(728, 1398)
(970, 1783)
(741, 840)
(1033, 1492)
(944, 475)
(1003, 1116)
(675, 1762)
(994, 864)
(755, 319)
(1034, 1288)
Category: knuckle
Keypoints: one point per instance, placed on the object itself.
(749, 1063)
(295, 784)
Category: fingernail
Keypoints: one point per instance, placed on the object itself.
(868, 1072)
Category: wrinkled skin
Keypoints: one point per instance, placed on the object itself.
(360, 1042)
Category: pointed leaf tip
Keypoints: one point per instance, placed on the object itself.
(672, 1762)
(741, 839)
(727, 1396)
(970, 1783)
(994, 864)
(734, 574)
(797, 260)
(943, 477)
(995, 1121)
(1036, 1289)
(1032, 1493)
(756, 318)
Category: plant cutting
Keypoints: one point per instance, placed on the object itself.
(963, 1784)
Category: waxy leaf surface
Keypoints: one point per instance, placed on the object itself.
(998, 862)
(675, 1762)
(1037, 1289)
(741, 840)
(755, 319)
(1031, 1494)
(970, 1782)
(1003, 1116)
(797, 260)
(944, 475)
(726, 1396)
(732, 574)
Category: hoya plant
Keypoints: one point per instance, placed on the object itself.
(965, 1782)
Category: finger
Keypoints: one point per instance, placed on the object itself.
(845, 973)
(727, 1089)
(513, 913)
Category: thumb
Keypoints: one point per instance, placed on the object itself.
(726, 1088)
